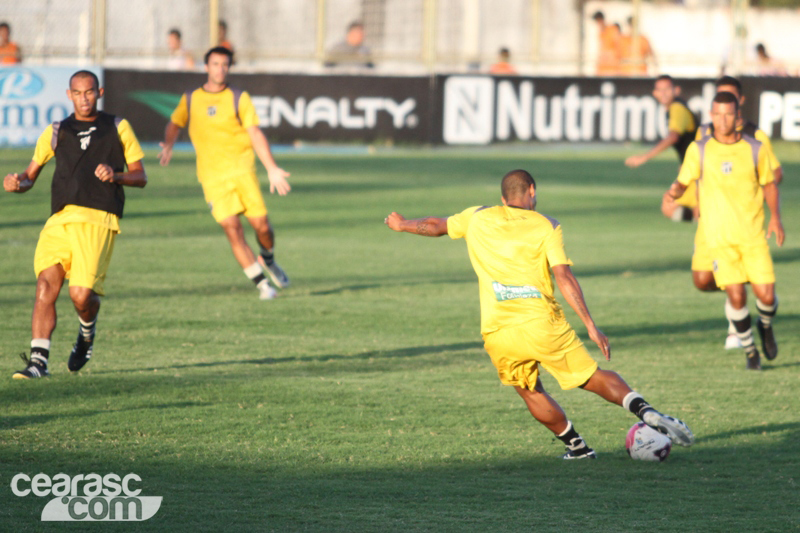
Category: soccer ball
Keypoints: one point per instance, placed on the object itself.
(646, 444)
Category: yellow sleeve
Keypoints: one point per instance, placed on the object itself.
(690, 169)
(44, 149)
(766, 144)
(180, 117)
(457, 224)
(133, 151)
(247, 112)
(554, 248)
(680, 119)
(765, 174)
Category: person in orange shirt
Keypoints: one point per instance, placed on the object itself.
(608, 58)
(503, 65)
(223, 36)
(635, 53)
(9, 52)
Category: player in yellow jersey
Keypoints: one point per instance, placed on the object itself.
(735, 178)
(91, 149)
(223, 127)
(513, 250)
(681, 125)
(702, 263)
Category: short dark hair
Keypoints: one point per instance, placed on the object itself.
(725, 97)
(729, 80)
(355, 24)
(223, 24)
(85, 74)
(175, 31)
(219, 50)
(5, 25)
(666, 77)
(516, 183)
(505, 52)
(598, 15)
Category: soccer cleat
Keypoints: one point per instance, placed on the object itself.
(275, 273)
(586, 453)
(676, 430)
(768, 342)
(80, 354)
(732, 341)
(753, 361)
(266, 291)
(36, 367)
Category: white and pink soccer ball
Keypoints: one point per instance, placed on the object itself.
(646, 444)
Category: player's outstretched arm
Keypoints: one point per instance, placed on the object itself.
(24, 181)
(134, 177)
(171, 133)
(277, 176)
(428, 226)
(637, 160)
(772, 197)
(571, 289)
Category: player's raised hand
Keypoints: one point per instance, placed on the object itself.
(394, 221)
(165, 155)
(602, 342)
(104, 173)
(277, 181)
(776, 227)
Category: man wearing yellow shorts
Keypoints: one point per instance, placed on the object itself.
(702, 262)
(92, 149)
(735, 178)
(513, 250)
(223, 127)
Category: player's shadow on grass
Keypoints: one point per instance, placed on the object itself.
(385, 285)
(784, 323)
(793, 427)
(12, 422)
(412, 351)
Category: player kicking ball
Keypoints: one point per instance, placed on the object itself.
(223, 127)
(513, 250)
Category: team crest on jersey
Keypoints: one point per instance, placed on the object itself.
(86, 137)
(727, 167)
(212, 110)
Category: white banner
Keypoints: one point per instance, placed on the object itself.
(33, 97)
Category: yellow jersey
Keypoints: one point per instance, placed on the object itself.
(218, 130)
(748, 128)
(511, 251)
(729, 177)
(45, 151)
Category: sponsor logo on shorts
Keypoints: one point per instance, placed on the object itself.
(512, 292)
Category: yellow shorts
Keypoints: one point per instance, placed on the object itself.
(517, 352)
(701, 257)
(235, 196)
(83, 249)
(740, 264)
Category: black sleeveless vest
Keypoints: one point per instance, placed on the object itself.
(79, 147)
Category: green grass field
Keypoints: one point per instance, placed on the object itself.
(361, 399)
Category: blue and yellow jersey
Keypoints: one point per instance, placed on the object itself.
(511, 251)
(730, 178)
(218, 130)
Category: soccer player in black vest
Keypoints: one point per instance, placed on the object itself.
(92, 149)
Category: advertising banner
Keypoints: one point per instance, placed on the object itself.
(31, 98)
(290, 107)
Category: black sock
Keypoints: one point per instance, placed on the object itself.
(259, 278)
(573, 441)
(267, 256)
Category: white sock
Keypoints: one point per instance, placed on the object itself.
(253, 271)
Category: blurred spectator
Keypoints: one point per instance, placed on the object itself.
(767, 66)
(179, 59)
(351, 51)
(609, 55)
(223, 36)
(635, 54)
(503, 65)
(9, 52)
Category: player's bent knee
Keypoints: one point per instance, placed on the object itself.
(704, 281)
